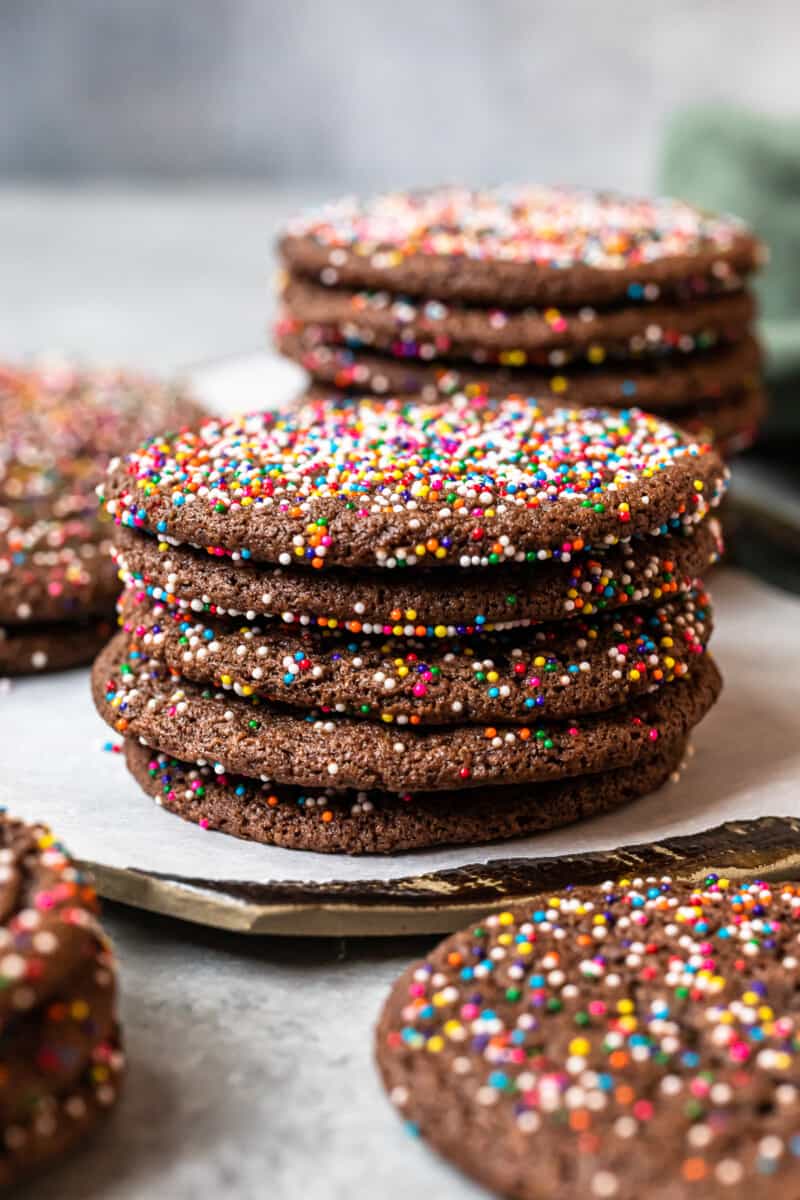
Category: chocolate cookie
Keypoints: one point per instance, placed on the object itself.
(617, 1042)
(135, 693)
(60, 424)
(732, 426)
(328, 821)
(434, 604)
(731, 422)
(400, 326)
(58, 428)
(37, 649)
(467, 482)
(520, 245)
(60, 1059)
(558, 670)
(55, 570)
(659, 385)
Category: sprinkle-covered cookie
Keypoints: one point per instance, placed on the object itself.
(658, 384)
(55, 570)
(523, 245)
(730, 422)
(332, 821)
(558, 670)
(636, 1039)
(423, 604)
(60, 1059)
(59, 426)
(428, 329)
(468, 483)
(61, 423)
(731, 425)
(136, 694)
(37, 649)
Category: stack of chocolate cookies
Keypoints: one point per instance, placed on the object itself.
(570, 296)
(59, 426)
(386, 625)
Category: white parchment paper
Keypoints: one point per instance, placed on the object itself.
(746, 761)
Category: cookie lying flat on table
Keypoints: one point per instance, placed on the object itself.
(59, 426)
(60, 1056)
(616, 1042)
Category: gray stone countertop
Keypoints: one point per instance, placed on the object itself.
(251, 1074)
(251, 1071)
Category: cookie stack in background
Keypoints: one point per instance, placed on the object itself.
(386, 626)
(570, 296)
(60, 1056)
(59, 426)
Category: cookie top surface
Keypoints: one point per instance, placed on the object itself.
(629, 1040)
(136, 694)
(572, 667)
(523, 244)
(388, 484)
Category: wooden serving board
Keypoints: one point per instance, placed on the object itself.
(764, 848)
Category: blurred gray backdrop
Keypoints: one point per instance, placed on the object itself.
(351, 93)
(150, 149)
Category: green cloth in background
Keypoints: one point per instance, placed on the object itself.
(749, 164)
